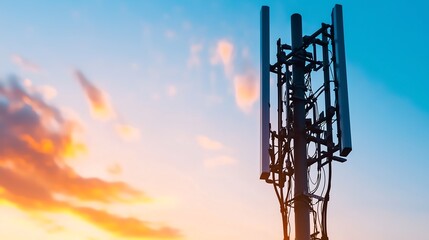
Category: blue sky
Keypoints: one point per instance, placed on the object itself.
(178, 82)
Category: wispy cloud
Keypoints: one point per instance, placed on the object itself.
(36, 142)
(208, 144)
(102, 109)
(216, 149)
(219, 161)
(97, 99)
(25, 64)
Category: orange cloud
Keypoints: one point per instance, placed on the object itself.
(102, 109)
(246, 88)
(246, 84)
(25, 64)
(224, 54)
(36, 140)
(208, 144)
(127, 226)
(98, 100)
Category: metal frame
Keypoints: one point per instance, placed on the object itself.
(301, 126)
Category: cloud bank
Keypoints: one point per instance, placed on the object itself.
(36, 142)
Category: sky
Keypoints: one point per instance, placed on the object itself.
(140, 120)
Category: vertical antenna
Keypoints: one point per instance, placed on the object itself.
(341, 78)
(265, 93)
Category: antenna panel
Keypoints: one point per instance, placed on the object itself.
(341, 77)
(265, 93)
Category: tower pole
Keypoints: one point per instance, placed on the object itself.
(302, 218)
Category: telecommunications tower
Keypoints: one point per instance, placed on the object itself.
(312, 129)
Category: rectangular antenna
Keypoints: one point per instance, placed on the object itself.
(265, 93)
(341, 77)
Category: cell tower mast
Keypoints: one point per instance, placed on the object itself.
(302, 217)
(304, 142)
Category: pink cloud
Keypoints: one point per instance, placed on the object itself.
(47, 92)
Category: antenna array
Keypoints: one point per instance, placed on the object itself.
(303, 146)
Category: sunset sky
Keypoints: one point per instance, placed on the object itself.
(139, 120)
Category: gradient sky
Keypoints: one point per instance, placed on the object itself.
(139, 120)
